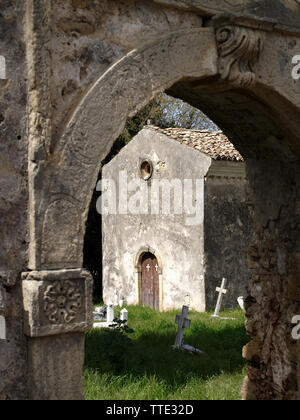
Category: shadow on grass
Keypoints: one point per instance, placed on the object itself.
(148, 352)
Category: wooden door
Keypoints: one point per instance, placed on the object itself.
(150, 281)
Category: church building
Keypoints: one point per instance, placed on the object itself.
(175, 220)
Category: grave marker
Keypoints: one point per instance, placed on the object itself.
(241, 303)
(183, 322)
(110, 312)
(110, 316)
(222, 291)
(124, 315)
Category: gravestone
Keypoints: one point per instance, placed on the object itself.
(110, 316)
(124, 315)
(222, 291)
(241, 303)
(100, 313)
(182, 322)
(110, 313)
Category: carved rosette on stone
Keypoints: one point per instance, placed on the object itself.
(57, 302)
(240, 42)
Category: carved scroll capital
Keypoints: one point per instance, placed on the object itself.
(240, 42)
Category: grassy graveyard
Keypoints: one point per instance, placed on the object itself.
(141, 366)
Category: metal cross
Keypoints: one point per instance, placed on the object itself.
(148, 267)
(156, 267)
(182, 322)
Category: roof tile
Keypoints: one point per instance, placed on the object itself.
(212, 143)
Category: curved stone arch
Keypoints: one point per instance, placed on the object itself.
(71, 170)
(99, 119)
(138, 274)
(143, 251)
(68, 173)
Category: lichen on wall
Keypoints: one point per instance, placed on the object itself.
(228, 230)
(274, 300)
(89, 36)
(13, 196)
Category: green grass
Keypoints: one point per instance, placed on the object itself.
(141, 366)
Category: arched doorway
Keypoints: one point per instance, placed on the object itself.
(149, 281)
(149, 278)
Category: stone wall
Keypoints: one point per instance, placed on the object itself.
(274, 300)
(88, 37)
(227, 237)
(13, 197)
(283, 12)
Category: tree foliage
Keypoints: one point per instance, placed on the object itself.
(177, 113)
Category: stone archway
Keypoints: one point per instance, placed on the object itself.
(124, 89)
(188, 63)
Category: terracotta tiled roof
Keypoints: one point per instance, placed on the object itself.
(212, 143)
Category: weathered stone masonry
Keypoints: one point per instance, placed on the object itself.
(76, 70)
(13, 197)
(274, 260)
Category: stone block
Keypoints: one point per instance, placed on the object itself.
(57, 302)
(8, 278)
(55, 366)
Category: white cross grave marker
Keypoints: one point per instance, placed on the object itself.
(182, 322)
(2, 67)
(222, 291)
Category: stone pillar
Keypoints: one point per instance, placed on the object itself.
(57, 312)
(274, 259)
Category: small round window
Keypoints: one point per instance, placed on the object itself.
(146, 169)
